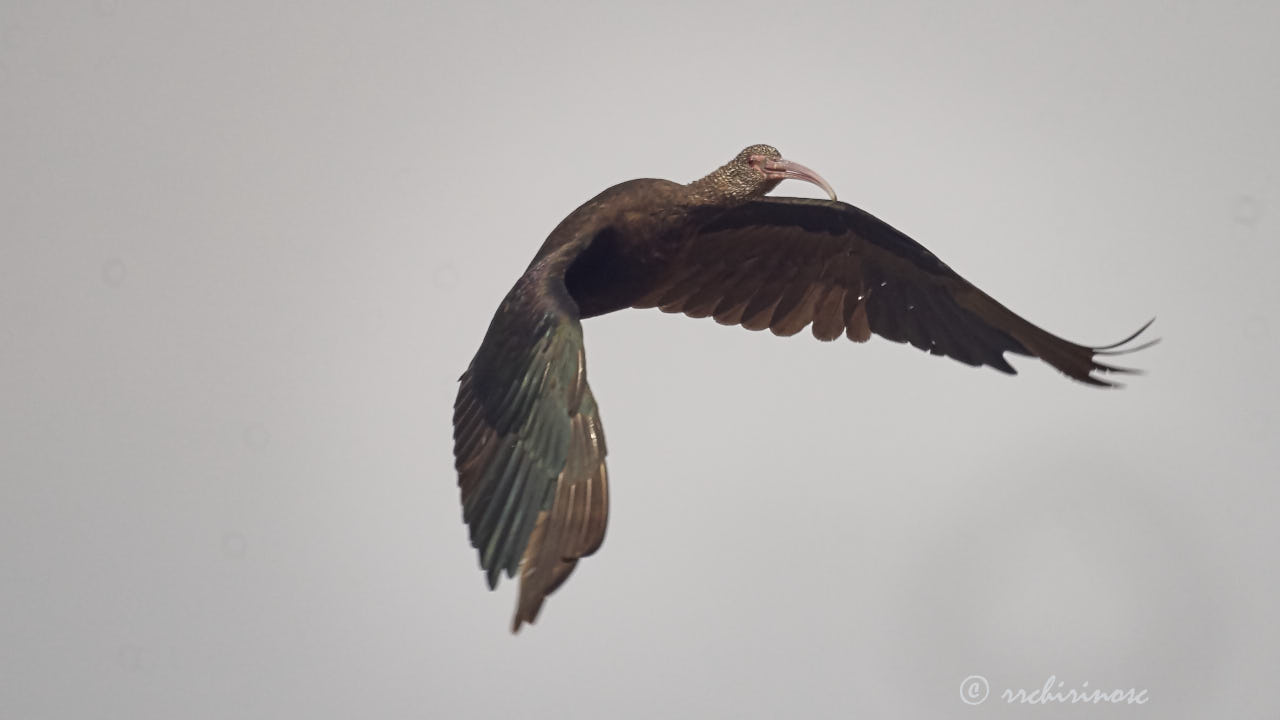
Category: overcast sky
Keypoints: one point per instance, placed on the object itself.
(246, 249)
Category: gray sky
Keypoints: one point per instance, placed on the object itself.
(246, 250)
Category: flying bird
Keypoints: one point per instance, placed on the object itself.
(528, 442)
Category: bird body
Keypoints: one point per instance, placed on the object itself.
(528, 441)
(617, 244)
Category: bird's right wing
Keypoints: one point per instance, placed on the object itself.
(529, 446)
(783, 263)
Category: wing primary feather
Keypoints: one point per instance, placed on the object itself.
(885, 309)
(477, 507)
(513, 492)
(1134, 336)
(522, 524)
(1116, 349)
(521, 400)
(947, 328)
(913, 319)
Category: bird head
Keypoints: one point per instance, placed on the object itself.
(755, 171)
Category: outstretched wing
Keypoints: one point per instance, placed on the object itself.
(528, 444)
(783, 263)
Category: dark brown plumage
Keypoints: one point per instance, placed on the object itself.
(528, 441)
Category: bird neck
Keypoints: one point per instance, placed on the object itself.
(728, 186)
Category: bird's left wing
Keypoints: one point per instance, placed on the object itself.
(783, 263)
(529, 446)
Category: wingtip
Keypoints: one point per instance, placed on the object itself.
(492, 575)
(1116, 348)
(1099, 382)
(1100, 367)
(520, 619)
(1127, 351)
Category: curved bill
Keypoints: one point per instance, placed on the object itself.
(783, 169)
